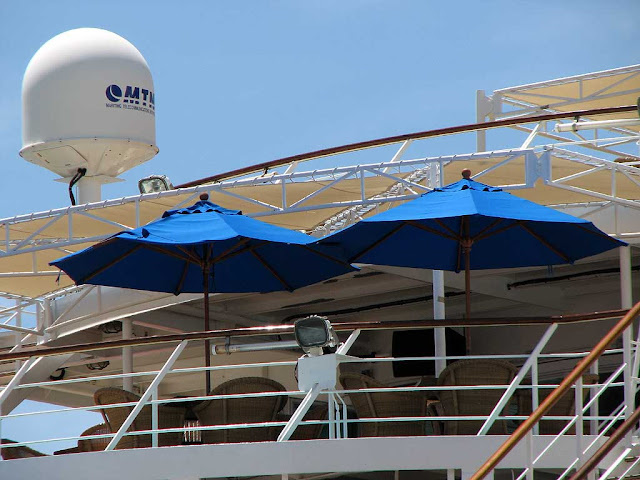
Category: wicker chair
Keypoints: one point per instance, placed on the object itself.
(228, 411)
(168, 417)
(473, 402)
(13, 453)
(385, 404)
(94, 444)
(564, 407)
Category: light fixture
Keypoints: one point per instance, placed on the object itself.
(98, 365)
(313, 333)
(154, 183)
(576, 126)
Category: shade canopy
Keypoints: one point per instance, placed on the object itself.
(241, 254)
(500, 230)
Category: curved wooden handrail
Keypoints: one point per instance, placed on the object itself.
(25, 353)
(557, 393)
(352, 147)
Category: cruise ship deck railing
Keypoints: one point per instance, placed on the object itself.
(337, 421)
(574, 376)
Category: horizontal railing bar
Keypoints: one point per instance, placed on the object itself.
(288, 329)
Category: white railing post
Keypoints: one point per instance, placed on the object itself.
(147, 394)
(578, 409)
(154, 418)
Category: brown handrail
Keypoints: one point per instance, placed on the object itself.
(607, 446)
(25, 353)
(352, 147)
(556, 394)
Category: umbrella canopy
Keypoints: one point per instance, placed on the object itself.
(469, 225)
(205, 248)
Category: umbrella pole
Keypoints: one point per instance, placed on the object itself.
(467, 291)
(207, 343)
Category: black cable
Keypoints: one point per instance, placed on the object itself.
(79, 174)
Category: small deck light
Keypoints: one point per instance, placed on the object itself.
(313, 333)
(155, 183)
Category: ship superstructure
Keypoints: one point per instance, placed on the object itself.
(569, 143)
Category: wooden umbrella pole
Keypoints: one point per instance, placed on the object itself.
(467, 295)
(207, 343)
(466, 246)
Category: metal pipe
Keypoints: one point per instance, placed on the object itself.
(556, 394)
(253, 347)
(45, 351)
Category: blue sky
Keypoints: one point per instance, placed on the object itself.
(239, 83)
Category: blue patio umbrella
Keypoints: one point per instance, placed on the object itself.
(205, 248)
(469, 225)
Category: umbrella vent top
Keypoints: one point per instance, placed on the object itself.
(203, 206)
(466, 184)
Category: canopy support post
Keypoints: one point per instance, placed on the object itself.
(439, 334)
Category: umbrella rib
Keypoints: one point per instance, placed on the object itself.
(109, 265)
(453, 237)
(190, 256)
(544, 242)
(376, 243)
(268, 267)
(178, 288)
(482, 234)
(230, 249)
(325, 255)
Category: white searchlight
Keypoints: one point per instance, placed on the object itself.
(313, 333)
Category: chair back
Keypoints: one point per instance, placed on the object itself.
(94, 444)
(228, 411)
(382, 405)
(168, 417)
(12, 453)
(564, 407)
(474, 402)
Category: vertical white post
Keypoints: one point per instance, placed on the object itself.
(89, 190)
(127, 355)
(439, 337)
(529, 446)
(154, 418)
(626, 301)
(579, 423)
(594, 411)
(451, 474)
(534, 394)
(18, 335)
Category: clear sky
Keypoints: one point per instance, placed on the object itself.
(244, 82)
(239, 83)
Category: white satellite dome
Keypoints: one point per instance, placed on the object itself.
(88, 102)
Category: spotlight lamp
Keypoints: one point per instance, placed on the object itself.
(313, 333)
(155, 183)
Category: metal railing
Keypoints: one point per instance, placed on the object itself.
(339, 420)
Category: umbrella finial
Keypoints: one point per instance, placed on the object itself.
(466, 174)
(204, 196)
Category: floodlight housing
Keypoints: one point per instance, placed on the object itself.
(154, 183)
(313, 333)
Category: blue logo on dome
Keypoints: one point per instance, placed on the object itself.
(114, 93)
(134, 98)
